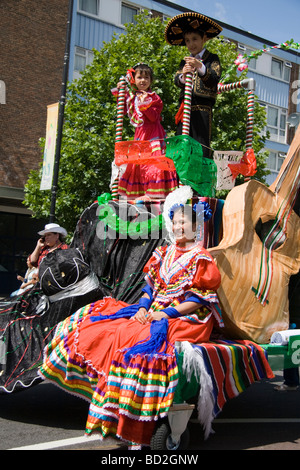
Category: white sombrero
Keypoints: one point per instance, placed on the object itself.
(53, 228)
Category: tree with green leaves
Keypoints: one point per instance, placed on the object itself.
(90, 117)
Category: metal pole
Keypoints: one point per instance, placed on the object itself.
(61, 113)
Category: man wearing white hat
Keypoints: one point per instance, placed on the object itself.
(52, 237)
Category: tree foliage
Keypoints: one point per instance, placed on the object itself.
(90, 116)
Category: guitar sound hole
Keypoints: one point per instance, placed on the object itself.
(270, 233)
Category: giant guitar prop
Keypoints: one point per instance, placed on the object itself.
(259, 251)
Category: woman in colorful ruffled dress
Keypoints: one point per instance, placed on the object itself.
(144, 109)
(122, 357)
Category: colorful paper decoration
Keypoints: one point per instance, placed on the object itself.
(225, 178)
(140, 152)
(192, 168)
(247, 165)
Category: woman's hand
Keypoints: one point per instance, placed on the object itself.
(40, 243)
(141, 316)
(36, 252)
(159, 315)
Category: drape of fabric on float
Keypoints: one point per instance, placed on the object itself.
(117, 260)
(88, 358)
(224, 369)
(27, 324)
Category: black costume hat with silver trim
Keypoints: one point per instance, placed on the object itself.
(179, 24)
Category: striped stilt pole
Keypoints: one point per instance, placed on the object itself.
(187, 104)
(250, 121)
(250, 115)
(229, 86)
(248, 83)
(119, 128)
(187, 101)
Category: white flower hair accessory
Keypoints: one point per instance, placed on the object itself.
(176, 197)
(179, 198)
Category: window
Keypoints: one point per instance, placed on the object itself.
(274, 163)
(280, 69)
(276, 123)
(276, 68)
(287, 71)
(2, 92)
(128, 13)
(89, 6)
(83, 57)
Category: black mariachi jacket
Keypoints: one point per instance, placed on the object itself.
(204, 87)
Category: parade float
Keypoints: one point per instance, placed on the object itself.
(253, 236)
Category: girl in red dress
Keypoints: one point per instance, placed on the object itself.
(144, 109)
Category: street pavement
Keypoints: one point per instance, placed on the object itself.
(44, 417)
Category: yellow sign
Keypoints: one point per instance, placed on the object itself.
(49, 152)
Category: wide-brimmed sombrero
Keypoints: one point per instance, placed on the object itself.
(179, 24)
(53, 228)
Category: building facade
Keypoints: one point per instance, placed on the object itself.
(32, 37)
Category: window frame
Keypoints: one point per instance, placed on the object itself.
(284, 67)
(281, 112)
(84, 12)
(130, 6)
(280, 157)
(88, 56)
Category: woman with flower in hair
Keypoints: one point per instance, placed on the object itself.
(144, 108)
(122, 357)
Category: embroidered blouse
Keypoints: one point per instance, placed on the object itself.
(176, 276)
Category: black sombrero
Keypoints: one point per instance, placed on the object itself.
(178, 25)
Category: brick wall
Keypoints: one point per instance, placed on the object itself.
(32, 38)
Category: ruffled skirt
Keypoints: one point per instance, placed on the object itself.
(147, 180)
(126, 398)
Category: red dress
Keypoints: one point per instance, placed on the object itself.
(87, 357)
(140, 180)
